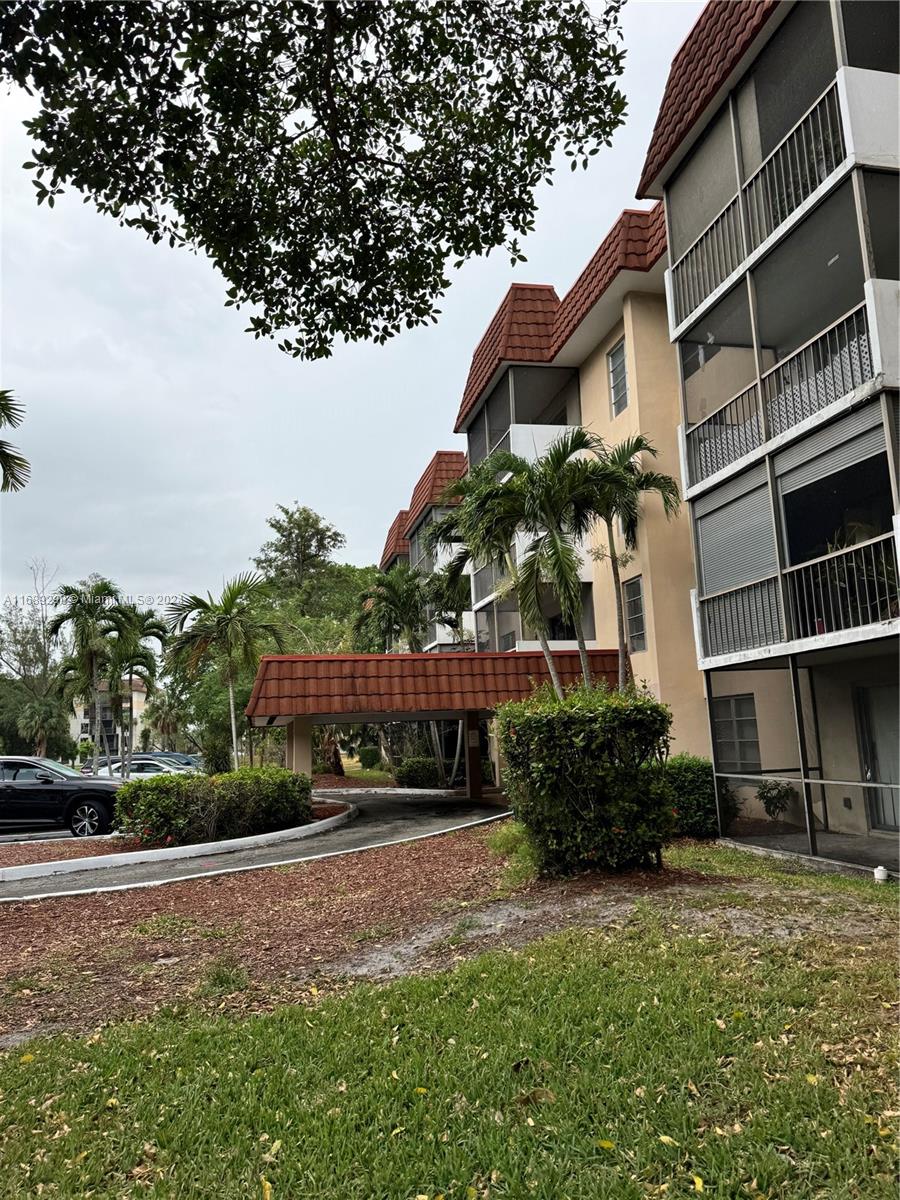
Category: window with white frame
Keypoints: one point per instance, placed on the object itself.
(736, 734)
(633, 600)
(618, 378)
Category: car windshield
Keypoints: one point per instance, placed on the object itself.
(52, 765)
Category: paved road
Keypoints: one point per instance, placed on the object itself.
(381, 819)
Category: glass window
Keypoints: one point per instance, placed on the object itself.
(618, 378)
(736, 734)
(840, 510)
(633, 599)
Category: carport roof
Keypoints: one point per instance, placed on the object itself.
(344, 687)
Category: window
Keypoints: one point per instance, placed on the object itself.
(618, 380)
(737, 738)
(633, 598)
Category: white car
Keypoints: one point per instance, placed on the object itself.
(142, 768)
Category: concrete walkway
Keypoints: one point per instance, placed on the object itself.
(382, 819)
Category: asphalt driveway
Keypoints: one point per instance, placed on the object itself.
(382, 819)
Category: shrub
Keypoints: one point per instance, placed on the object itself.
(369, 757)
(417, 772)
(775, 795)
(586, 776)
(216, 753)
(183, 809)
(691, 778)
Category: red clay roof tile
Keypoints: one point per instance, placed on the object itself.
(721, 36)
(446, 467)
(395, 544)
(345, 685)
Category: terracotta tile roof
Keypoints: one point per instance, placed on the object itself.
(352, 684)
(636, 242)
(395, 543)
(444, 468)
(520, 331)
(721, 36)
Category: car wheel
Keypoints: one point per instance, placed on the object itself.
(88, 817)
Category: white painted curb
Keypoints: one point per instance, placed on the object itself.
(65, 866)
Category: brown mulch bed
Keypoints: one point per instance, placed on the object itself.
(18, 854)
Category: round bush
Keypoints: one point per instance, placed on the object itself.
(586, 777)
(417, 772)
(691, 779)
(183, 809)
(369, 757)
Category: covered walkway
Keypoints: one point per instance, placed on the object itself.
(303, 690)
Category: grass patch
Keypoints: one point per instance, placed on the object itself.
(375, 933)
(224, 977)
(595, 1065)
(509, 840)
(376, 776)
(163, 925)
(723, 861)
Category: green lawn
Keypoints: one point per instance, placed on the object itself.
(374, 775)
(648, 1060)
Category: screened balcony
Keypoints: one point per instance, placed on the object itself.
(528, 408)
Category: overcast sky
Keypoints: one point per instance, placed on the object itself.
(161, 435)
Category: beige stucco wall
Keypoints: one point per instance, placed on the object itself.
(663, 556)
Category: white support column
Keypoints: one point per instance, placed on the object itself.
(298, 755)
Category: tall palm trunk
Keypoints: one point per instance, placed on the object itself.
(95, 697)
(234, 737)
(582, 649)
(438, 751)
(541, 634)
(130, 726)
(460, 731)
(625, 674)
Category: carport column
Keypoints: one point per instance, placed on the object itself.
(298, 752)
(473, 757)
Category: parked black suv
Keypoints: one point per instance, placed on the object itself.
(39, 792)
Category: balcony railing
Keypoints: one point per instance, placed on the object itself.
(826, 368)
(795, 168)
(709, 261)
(725, 436)
(845, 589)
(799, 164)
(743, 618)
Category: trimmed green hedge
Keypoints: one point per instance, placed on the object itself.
(586, 777)
(179, 810)
(417, 772)
(692, 782)
(369, 757)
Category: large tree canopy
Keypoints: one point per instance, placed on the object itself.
(330, 157)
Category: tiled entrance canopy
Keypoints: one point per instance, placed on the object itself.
(353, 687)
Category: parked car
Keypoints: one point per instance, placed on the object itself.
(40, 792)
(141, 768)
(187, 762)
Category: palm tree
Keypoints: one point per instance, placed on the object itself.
(93, 612)
(490, 509)
(165, 716)
(621, 485)
(395, 606)
(133, 659)
(13, 466)
(448, 596)
(229, 629)
(40, 720)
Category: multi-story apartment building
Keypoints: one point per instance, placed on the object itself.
(81, 722)
(407, 542)
(776, 151)
(600, 357)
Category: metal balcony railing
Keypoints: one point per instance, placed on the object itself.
(799, 164)
(709, 261)
(829, 366)
(795, 168)
(845, 589)
(725, 435)
(743, 618)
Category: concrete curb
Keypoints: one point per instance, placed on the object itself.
(66, 866)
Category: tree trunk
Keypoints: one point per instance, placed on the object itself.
(625, 674)
(130, 726)
(541, 636)
(234, 737)
(460, 733)
(95, 688)
(40, 745)
(582, 650)
(438, 752)
(385, 745)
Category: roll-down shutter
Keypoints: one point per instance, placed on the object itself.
(737, 543)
